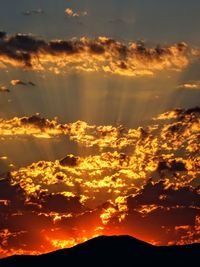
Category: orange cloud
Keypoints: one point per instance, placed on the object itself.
(101, 54)
(4, 89)
(71, 13)
(16, 82)
(155, 183)
(177, 127)
(190, 85)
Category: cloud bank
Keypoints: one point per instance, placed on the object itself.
(154, 182)
(91, 55)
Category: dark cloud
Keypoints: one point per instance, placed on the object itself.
(159, 226)
(157, 211)
(192, 110)
(3, 35)
(25, 43)
(112, 56)
(13, 195)
(173, 166)
(35, 120)
(164, 194)
(60, 203)
(69, 160)
(97, 49)
(68, 47)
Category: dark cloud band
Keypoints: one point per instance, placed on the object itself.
(84, 54)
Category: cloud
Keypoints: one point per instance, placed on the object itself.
(159, 150)
(4, 89)
(69, 160)
(71, 13)
(19, 82)
(101, 54)
(165, 194)
(180, 114)
(34, 125)
(3, 157)
(178, 127)
(33, 12)
(190, 85)
(171, 214)
(154, 182)
(52, 214)
(61, 203)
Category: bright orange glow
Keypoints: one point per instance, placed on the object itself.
(77, 198)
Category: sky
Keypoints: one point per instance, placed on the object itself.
(99, 122)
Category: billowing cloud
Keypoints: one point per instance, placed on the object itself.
(174, 127)
(84, 54)
(33, 125)
(154, 182)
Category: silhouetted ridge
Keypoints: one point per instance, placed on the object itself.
(111, 251)
(102, 242)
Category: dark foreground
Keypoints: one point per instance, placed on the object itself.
(112, 251)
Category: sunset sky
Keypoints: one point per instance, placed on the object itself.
(99, 122)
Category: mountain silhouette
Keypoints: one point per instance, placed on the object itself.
(111, 251)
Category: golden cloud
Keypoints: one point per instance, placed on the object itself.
(69, 200)
(4, 89)
(71, 13)
(195, 85)
(84, 54)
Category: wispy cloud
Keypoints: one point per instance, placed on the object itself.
(20, 82)
(33, 12)
(194, 85)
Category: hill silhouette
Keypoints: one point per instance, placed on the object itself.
(111, 251)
